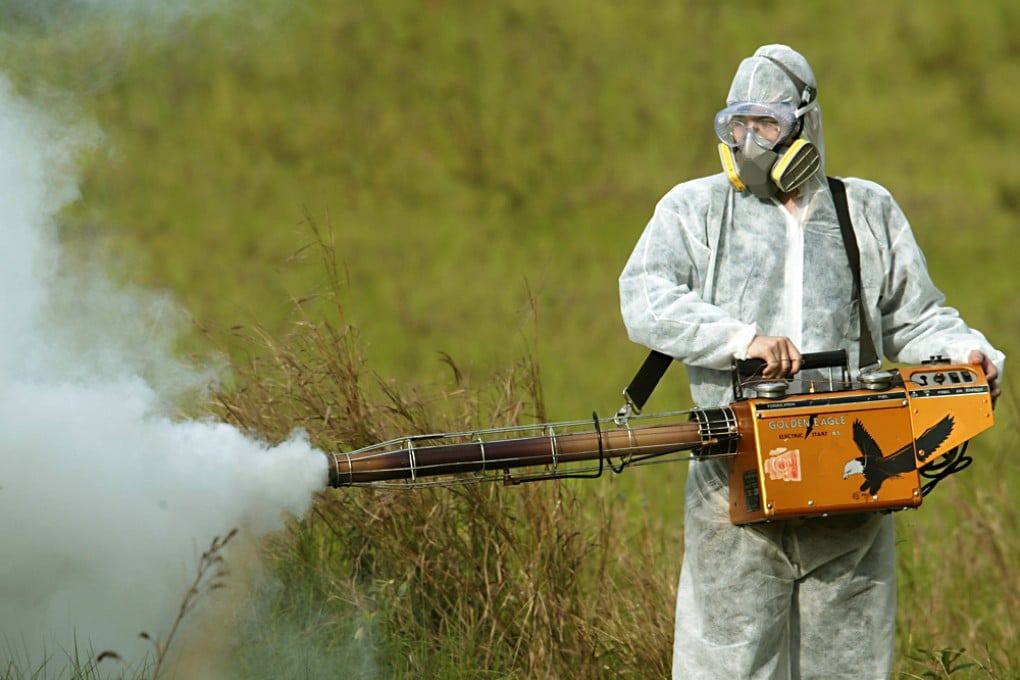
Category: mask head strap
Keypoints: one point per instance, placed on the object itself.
(808, 94)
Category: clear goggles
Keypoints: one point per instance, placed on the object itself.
(768, 124)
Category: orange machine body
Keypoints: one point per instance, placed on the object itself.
(861, 450)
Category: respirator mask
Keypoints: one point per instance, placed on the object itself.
(760, 145)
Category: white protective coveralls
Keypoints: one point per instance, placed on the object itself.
(713, 268)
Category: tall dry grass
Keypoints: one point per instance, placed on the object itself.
(536, 581)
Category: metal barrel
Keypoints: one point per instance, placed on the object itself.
(414, 457)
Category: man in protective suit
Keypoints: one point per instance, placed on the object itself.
(750, 263)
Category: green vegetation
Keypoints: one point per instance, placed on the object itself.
(478, 173)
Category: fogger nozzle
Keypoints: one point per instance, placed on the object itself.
(705, 432)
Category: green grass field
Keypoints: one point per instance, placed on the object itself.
(478, 173)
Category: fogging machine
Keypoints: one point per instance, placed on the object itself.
(795, 448)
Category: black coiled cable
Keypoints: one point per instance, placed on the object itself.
(950, 463)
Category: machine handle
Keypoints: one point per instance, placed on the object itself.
(747, 368)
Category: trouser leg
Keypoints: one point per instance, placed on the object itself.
(785, 600)
(734, 601)
(846, 614)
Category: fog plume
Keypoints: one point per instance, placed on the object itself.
(106, 497)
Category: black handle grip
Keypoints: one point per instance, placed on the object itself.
(837, 357)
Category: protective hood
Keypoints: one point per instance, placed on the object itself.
(770, 76)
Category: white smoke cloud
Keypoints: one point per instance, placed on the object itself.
(105, 499)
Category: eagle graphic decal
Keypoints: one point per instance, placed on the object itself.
(876, 467)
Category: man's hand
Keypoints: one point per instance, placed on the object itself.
(977, 358)
(782, 359)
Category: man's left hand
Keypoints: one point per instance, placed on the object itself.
(977, 358)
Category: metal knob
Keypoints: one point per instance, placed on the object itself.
(877, 380)
(771, 390)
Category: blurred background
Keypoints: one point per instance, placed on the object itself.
(480, 172)
(469, 159)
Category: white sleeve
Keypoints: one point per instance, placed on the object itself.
(916, 323)
(661, 289)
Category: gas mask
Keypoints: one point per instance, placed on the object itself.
(760, 148)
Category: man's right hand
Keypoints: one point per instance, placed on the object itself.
(782, 358)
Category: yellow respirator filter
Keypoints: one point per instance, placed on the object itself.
(796, 166)
(730, 166)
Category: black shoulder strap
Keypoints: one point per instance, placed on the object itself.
(655, 365)
(648, 376)
(868, 354)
